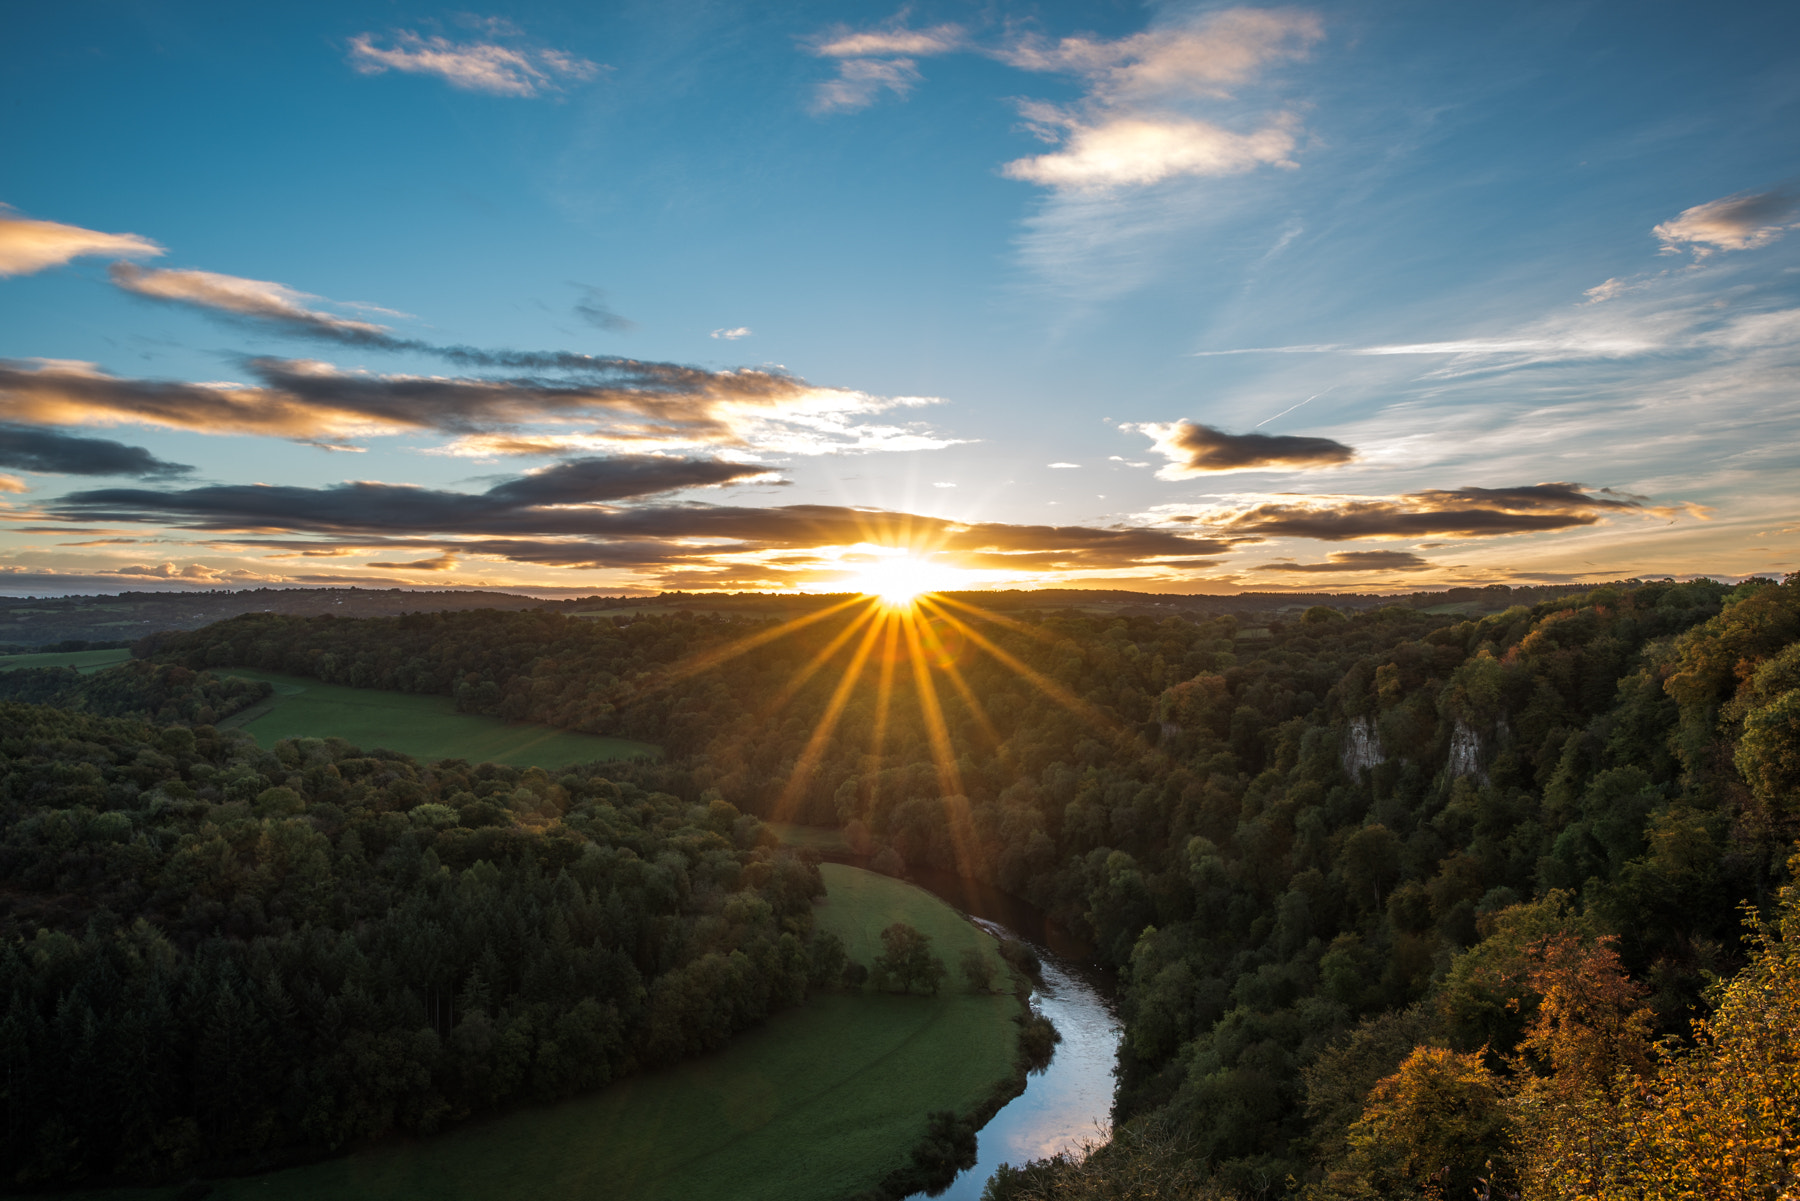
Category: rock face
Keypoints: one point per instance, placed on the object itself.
(1362, 748)
(1465, 752)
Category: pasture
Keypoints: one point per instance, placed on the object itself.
(425, 727)
(816, 1104)
(85, 662)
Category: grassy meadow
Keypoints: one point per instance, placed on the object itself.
(86, 662)
(816, 1104)
(426, 727)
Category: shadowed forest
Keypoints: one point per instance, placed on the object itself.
(1403, 904)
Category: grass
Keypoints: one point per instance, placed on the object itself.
(426, 727)
(816, 1104)
(85, 662)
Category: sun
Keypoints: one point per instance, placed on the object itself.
(898, 582)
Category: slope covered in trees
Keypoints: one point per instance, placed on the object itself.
(1320, 852)
(213, 954)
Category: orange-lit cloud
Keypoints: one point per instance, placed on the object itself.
(28, 246)
(627, 403)
(257, 299)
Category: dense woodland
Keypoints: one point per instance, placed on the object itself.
(213, 954)
(1373, 881)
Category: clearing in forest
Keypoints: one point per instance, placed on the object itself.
(425, 727)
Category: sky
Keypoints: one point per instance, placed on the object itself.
(632, 297)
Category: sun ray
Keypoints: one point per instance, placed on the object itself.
(947, 664)
(819, 660)
(725, 654)
(950, 785)
(884, 690)
(815, 747)
(1037, 679)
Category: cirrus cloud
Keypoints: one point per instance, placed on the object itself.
(487, 67)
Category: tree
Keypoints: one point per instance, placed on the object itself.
(907, 959)
(1433, 1125)
(977, 969)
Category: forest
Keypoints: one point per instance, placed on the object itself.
(212, 954)
(1402, 903)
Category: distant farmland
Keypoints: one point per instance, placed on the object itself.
(426, 727)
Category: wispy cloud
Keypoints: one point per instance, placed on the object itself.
(1353, 560)
(28, 246)
(1741, 222)
(1135, 125)
(733, 334)
(593, 309)
(491, 67)
(875, 60)
(1194, 449)
(254, 299)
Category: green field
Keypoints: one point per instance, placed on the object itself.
(818, 1103)
(426, 727)
(86, 662)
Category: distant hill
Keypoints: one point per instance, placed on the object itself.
(31, 623)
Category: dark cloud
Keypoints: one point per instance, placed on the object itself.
(1468, 512)
(27, 449)
(563, 516)
(533, 504)
(593, 309)
(1195, 448)
(1357, 560)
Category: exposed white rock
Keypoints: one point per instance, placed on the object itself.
(1465, 752)
(1362, 747)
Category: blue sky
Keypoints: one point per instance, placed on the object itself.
(1168, 297)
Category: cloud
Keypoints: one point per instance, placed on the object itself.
(1138, 150)
(257, 300)
(860, 80)
(1465, 512)
(54, 453)
(545, 502)
(443, 562)
(1356, 560)
(569, 515)
(1741, 222)
(1133, 127)
(28, 246)
(893, 41)
(874, 60)
(593, 309)
(732, 335)
(473, 66)
(626, 403)
(12, 483)
(1195, 449)
(1063, 466)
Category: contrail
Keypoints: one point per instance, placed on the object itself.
(1290, 408)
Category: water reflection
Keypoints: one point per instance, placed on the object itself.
(1070, 1102)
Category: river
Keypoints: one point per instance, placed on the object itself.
(1070, 1102)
